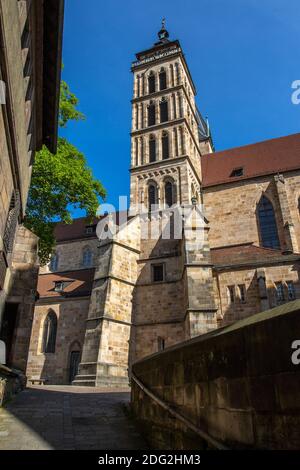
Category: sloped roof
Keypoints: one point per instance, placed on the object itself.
(247, 254)
(75, 230)
(263, 158)
(79, 283)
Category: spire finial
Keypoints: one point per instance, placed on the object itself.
(163, 33)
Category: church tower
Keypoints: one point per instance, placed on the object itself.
(173, 299)
(168, 133)
(151, 291)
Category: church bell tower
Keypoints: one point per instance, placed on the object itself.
(168, 132)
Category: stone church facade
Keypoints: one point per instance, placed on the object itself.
(106, 303)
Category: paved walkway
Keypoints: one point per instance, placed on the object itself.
(52, 417)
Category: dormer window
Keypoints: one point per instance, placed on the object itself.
(237, 172)
(59, 286)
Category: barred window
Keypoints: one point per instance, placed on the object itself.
(280, 292)
(291, 290)
(231, 294)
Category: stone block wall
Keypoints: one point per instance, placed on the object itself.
(71, 323)
(229, 312)
(237, 384)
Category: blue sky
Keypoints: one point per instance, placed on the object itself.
(243, 56)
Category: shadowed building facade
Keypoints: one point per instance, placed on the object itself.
(148, 293)
(30, 64)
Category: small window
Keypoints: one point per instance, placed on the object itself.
(59, 286)
(157, 272)
(237, 172)
(87, 257)
(291, 290)
(160, 343)
(231, 294)
(242, 292)
(279, 292)
(90, 229)
(54, 262)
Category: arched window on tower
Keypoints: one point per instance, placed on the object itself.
(54, 262)
(267, 224)
(87, 257)
(49, 333)
(163, 108)
(151, 114)
(165, 146)
(162, 79)
(152, 196)
(151, 83)
(169, 194)
(152, 148)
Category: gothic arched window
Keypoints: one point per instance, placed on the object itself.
(49, 333)
(169, 194)
(151, 83)
(151, 114)
(87, 257)
(152, 149)
(165, 146)
(267, 224)
(152, 196)
(162, 80)
(163, 108)
(54, 262)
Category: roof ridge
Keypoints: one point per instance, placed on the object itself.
(252, 144)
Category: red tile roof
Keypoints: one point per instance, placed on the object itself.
(263, 158)
(247, 253)
(75, 230)
(81, 282)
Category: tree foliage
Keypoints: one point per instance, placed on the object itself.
(67, 106)
(60, 183)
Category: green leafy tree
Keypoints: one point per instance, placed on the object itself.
(60, 183)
